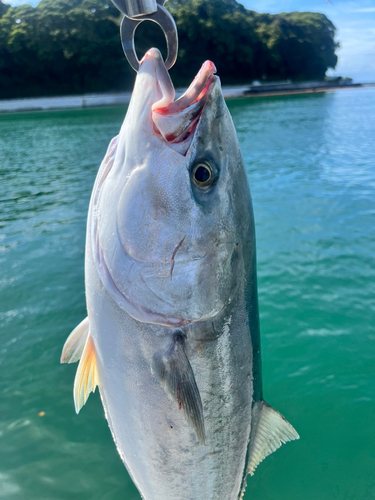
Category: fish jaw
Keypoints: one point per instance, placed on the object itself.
(177, 121)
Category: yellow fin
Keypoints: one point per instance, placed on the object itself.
(269, 431)
(87, 375)
(75, 343)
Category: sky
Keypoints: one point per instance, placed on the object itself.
(354, 20)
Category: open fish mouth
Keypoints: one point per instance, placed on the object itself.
(176, 121)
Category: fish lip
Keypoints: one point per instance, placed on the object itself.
(197, 90)
(176, 121)
(153, 64)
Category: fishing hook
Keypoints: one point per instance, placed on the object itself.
(137, 11)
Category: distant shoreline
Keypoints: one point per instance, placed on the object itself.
(119, 99)
(309, 90)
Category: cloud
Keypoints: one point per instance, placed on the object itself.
(365, 9)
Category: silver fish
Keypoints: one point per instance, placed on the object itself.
(172, 333)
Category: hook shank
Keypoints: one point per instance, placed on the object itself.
(161, 17)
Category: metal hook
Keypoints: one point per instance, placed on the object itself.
(146, 10)
(136, 8)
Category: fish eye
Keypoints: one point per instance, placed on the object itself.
(202, 175)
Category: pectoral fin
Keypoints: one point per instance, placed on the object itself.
(269, 430)
(175, 373)
(75, 343)
(87, 376)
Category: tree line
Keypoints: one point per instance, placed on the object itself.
(73, 46)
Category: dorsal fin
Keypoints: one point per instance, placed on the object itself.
(269, 430)
(176, 375)
(75, 343)
(86, 377)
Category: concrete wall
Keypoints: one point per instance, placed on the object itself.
(86, 101)
(83, 101)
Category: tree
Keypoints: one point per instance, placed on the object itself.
(220, 30)
(62, 46)
(73, 46)
(301, 45)
(3, 8)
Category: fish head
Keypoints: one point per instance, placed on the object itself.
(172, 213)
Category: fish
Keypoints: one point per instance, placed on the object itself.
(172, 335)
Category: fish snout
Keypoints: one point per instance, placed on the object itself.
(152, 65)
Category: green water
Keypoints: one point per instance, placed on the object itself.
(311, 166)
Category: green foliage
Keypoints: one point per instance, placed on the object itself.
(73, 46)
(61, 47)
(3, 8)
(220, 30)
(300, 45)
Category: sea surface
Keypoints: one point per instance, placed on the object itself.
(310, 161)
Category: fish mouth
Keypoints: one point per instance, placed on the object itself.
(176, 121)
